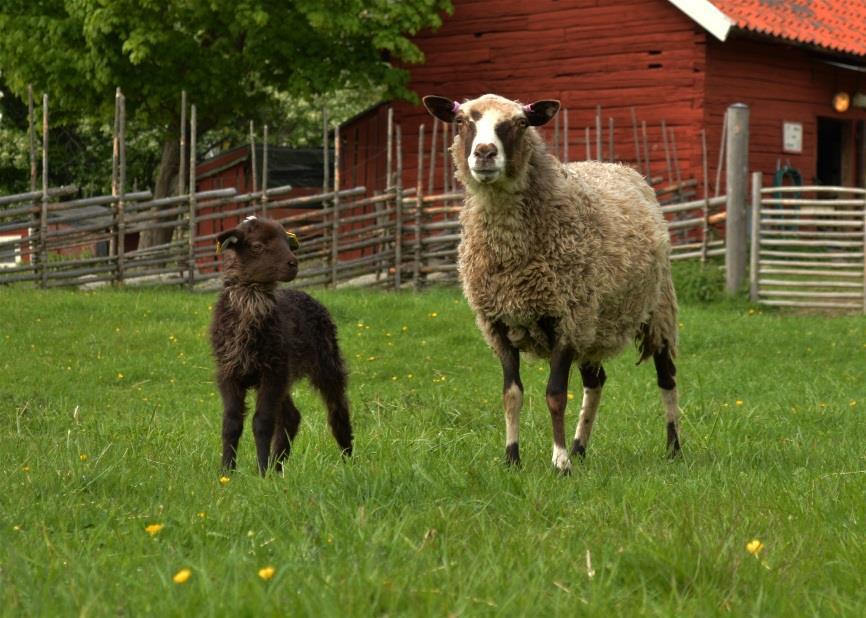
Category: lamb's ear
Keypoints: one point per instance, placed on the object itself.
(230, 239)
(541, 112)
(442, 108)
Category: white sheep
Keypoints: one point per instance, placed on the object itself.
(566, 262)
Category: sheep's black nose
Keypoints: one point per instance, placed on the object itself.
(486, 151)
(293, 263)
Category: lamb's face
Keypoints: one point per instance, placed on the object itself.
(491, 144)
(259, 251)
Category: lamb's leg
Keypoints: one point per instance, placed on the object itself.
(285, 430)
(233, 421)
(666, 372)
(557, 398)
(331, 383)
(512, 392)
(593, 378)
(267, 407)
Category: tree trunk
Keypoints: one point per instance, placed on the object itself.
(166, 185)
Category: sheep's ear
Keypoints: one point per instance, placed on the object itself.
(541, 112)
(229, 239)
(294, 245)
(442, 108)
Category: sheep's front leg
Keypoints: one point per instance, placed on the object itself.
(557, 398)
(512, 392)
(267, 408)
(593, 377)
(232, 395)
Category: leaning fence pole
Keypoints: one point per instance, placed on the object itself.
(705, 225)
(181, 175)
(637, 156)
(265, 170)
(722, 143)
(737, 167)
(419, 210)
(192, 204)
(119, 206)
(431, 176)
(598, 133)
(31, 136)
(335, 218)
(565, 137)
(667, 152)
(676, 160)
(398, 208)
(588, 141)
(755, 245)
(254, 168)
(43, 219)
(610, 133)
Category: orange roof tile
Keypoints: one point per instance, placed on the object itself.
(838, 25)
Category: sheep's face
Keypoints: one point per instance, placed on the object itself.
(491, 145)
(259, 251)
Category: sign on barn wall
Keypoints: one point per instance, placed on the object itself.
(792, 137)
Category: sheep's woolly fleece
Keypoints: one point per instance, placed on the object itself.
(584, 243)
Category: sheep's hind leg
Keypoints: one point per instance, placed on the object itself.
(557, 399)
(512, 393)
(233, 422)
(593, 377)
(666, 372)
(286, 428)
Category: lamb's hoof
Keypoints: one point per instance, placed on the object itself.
(674, 450)
(578, 449)
(512, 455)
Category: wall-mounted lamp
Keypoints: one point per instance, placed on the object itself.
(841, 101)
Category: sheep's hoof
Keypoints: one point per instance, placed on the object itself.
(561, 462)
(578, 449)
(562, 471)
(512, 455)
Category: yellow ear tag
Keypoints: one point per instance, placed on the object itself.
(219, 248)
(294, 245)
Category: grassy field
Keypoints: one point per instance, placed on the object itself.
(111, 423)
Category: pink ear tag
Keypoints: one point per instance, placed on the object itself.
(456, 107)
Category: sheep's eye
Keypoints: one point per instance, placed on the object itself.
(522, 123)
(459, 121)
(257, 247)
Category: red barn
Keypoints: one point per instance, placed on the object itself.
(678, 61)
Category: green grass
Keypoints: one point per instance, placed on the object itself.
(110, 422)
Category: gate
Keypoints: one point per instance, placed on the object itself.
(807, 246)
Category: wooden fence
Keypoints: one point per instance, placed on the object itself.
(389, 240)
(808, 246)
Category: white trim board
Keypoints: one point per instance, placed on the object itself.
(707, 16)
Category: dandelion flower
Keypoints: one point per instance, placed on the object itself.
(182, 576)
(25, 468)
(83, 457)
(153, 529)
(754, 547)
(119, 376)
(739, 402)
(433, 314)
(224, 480)
(202, 514)
(267, 572)
(570, 395)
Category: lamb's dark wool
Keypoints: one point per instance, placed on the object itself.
(268, 339)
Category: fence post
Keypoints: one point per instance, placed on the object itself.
(192, 221)
(181, 175)
(43, 219)
(33, 246)
(755, 245)
(398, 207)
(705, 225)
(121, 187)
(737, 167)
(265, 170)
(863, 249)
(335, 219)
(419, 210)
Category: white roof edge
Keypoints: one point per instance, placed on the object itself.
(707, 15)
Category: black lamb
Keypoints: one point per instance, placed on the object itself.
(268, 339)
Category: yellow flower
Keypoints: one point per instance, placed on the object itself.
(267, 572)
(83, 457)
(739, 402)
(182, 576)
(570, 395)
(25, 468)
(433, 314)
(202, 514)
(153, 529)
(754, 547)
(119, 376)
(224, 480)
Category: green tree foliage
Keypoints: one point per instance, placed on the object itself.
(237, 60)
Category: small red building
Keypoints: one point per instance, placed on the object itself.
(678, 61)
